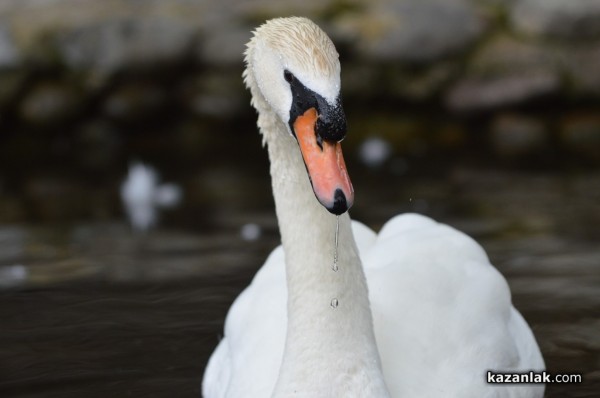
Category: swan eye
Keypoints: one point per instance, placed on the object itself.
(288, 76)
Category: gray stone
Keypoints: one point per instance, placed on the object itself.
(360, 79)
(412, 31)
(215, 93)
(261, 10)
(505, 72)
(110, 46)
(49, 102)
(54, 199)
(450, 136)
(480, 93)
(98, 145)
(569, 19)
(582, 65)
(505, 55)
(500, 3)
(516, 135)
(134, 101)
(11, 82)
(224, 46)
(9, 54)
(424, 84)
(581, 134)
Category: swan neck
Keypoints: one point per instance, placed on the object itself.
(324, 342)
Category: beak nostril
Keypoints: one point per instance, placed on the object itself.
(320, 141)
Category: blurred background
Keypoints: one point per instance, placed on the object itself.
(135, 200)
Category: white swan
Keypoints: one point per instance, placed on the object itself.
(436, 315)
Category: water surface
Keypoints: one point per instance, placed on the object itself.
(92, 310)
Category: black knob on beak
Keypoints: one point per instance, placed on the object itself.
(331, 124)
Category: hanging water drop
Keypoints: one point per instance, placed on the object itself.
(334, 303)
(335, 267)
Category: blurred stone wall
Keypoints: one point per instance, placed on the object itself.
(59, 57)
(87, 82)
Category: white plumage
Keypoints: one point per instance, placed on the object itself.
(436, 314)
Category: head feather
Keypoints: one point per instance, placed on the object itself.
(299, 39)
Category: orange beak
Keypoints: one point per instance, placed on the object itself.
(325, 164)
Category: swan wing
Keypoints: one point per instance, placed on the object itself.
(443, 314)
(218, 372)
(247, 360)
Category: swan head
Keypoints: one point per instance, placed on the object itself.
(292, 67)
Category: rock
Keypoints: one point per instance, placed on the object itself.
(575, 19)
(259, 11)
(98, 144)
(580, 133)
(505, 54)
(12, 211)
(11, 76)
(215, 93)
(450, 136)
(515, 135)
(360, 79)
(224, 46)
(192, 138)
(49, 102)
(412, 31)
(497, 3)
(9, 54)
(11, 82)
(135, 101)
(505, 72)
(423, 84)
(582, 63)
(109, 46)
(480, 93)
(56, 199)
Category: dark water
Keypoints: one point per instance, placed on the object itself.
(94, 311)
